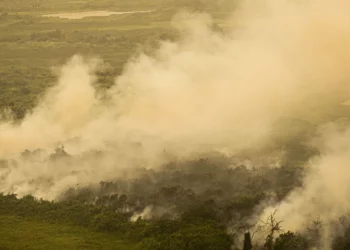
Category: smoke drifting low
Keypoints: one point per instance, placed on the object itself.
(323, 196)
(210, 91)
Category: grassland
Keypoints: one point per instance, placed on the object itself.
(18, 233)
(30, 44)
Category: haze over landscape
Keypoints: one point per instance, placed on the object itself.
(175, 125)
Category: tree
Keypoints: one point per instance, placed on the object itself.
(273, 226)
(247, 245)
(291, 241)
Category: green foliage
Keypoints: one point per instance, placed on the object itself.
(17, 233)
(291, 241)
(31, 45)
(193, 211)
(201, 236)
(197, 233)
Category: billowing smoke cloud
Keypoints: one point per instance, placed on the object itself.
(323, 197)
(209, 91)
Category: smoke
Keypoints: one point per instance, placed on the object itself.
(209, 91)
(326, 185)
(151, 212)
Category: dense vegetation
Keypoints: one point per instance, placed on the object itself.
(202, 204)
(190, 209)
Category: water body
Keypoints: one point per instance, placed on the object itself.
(102, 13)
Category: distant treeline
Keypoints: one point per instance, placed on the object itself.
(41, 5)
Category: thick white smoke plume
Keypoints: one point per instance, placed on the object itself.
(210, 91)
(324, 195)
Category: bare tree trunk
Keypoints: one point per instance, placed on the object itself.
(247, 245)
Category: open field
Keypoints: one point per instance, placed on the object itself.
(30, 44)
(18, 233)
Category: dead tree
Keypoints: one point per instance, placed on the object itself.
(273, 226)
(247, 244)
